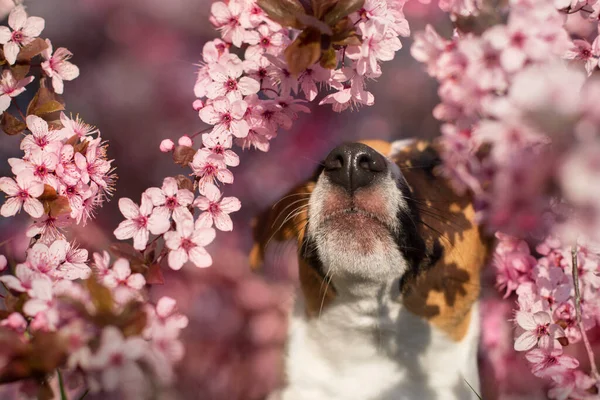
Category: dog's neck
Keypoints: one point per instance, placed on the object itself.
(366, 345)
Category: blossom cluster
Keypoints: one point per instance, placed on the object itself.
(88, 322)
(246, 100)
(520, 132)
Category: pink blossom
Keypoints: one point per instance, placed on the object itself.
(210, 168)
(23, 193)
(212, 146)
(548, 363)
(16, 322)
(377, 46)
(75, 265)
(170, 197)
(233, 22)
(10, 87)
(216, 209)
(120, 276)
(268, 42)
(350, 91)
(310, 78)
(227, 117)
(94, 166)
(40, 163)
(539, 330)
(41, 297)
(571, 384)
(117, 358)
(3, 262)
(25, 29)
(46, 259)
(58, 67)
(140, 220)
(228, 81)
(41, 138)
(76, 126)
(187, 243)
(22, 280)
(257, 137)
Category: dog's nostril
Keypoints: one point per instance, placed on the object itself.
(334, 163)
(354, 165)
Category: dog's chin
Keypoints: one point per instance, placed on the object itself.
(361, 232)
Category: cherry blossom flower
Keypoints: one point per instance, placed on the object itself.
(124, 284)
(75, 265)
(227, 117)
(41, 138)
(23, 193)
(41, 298)
(25, 29)
(117, 358)
(16, 322)
(22, 280)
(58, 67)
(216, 209)
(212, 146)
(548, 363)
(10, 88)
(233, 22)
(170, 197)
(539, 330)
(187, 243)
(140, 221)
(228, 80)
(46, 259)
(210, 168)
(76, 126)
(3, 262)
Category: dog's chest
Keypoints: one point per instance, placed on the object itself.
(348, 354)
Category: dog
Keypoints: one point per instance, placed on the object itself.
(389, 267)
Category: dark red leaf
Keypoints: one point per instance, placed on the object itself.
(12, 125)
(284, 12)
(341, 10)
(32, 49)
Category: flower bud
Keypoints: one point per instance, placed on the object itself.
(166, 145)
(185, 141)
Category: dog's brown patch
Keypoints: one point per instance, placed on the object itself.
(445, 292)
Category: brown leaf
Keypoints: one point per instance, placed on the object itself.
(341, 10)
(49, 194)
(154, 275)
(58, 206)
(20, 71)
(184, 182)
(133, 319)
(81, 147)
(32, 49)
(304, 51)
(322, 7)
(12, 125)
(312, 22)
(101, 296)
(563, 341)
(283, 12)
(183, 155)
(44, 102)
(329, 59)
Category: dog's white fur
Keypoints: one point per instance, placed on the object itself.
(365, 345)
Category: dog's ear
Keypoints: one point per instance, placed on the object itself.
(283, 221)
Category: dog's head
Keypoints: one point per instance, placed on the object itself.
(376, 212)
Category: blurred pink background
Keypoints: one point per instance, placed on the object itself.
(137, 60)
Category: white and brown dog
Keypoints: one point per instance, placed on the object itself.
(389, 260)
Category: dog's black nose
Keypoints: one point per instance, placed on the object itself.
(354, 165)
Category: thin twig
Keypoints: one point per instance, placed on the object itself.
(586, 341)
